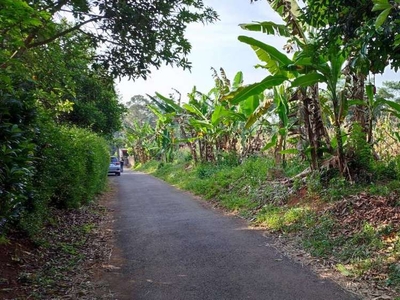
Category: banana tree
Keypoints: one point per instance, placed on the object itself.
(328, 70)
(282, 69)
(216, 124)
(140, 139)
(199, 110)
(167, 113)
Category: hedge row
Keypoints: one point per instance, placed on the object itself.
(60, 166)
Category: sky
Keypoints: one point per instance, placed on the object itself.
(216, 45)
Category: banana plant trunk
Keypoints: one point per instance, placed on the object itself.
(358, 93)
(311, 135)
(338, 135)
(202, 151)
(191, 145)
(319, 127)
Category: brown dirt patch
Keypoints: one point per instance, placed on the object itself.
(72, 253)
(354, 211)
(13, 255)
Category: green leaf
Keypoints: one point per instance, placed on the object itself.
(160, 105)
(267, 27)
(155, 111)
(261, 110)
(272, 143)
(194, 110)
(392, 104)
(249, 105)
(380, 5)
(396, 114)
(369, 89)
(397, 136)
(396, 40)
(222, 113)
(217, 114)
(201, 124)
(308, 79)
(238, 80)
(382, 17)
(276, 60)
(334, 142)
(282, 131)
(289, 151)
(257, 88)
(355, 102)
(172, 106)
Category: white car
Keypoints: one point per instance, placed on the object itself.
(115, 166)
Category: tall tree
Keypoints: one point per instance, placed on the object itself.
(390, 91)
(138, 111)
(131, 36)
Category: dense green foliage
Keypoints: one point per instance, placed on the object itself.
(131, 36)
(70, 168)
(17, 148)
(72, 164)
(287, 114)
(59, 110)
(44, 160)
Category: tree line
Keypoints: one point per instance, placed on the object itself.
(318, 101)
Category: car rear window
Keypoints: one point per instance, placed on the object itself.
(114, 159)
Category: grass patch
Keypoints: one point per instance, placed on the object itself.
(237, 203)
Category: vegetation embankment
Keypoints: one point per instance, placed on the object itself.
(66, 258)
(354, 229)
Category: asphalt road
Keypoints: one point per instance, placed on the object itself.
(175, 247)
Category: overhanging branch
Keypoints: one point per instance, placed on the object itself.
(62, 33)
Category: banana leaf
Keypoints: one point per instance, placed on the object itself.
(257, 88)
(274, 59)
(267, 27)
(308, 80)
(170, 103)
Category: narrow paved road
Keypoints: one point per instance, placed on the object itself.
(175, 248)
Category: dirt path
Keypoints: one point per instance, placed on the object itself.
(172, 246)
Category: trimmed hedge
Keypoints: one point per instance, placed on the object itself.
(70, 168)
(72, 165)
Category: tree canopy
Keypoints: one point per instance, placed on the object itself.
(130, 36)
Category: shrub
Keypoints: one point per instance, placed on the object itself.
(206, 170)
(230, 159)
(70, 169)
(360, 156)
(17, 114)
(71, 166)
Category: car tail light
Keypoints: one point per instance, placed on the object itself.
(117, 163)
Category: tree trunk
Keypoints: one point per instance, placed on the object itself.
(319, 128)
(311, 136)
(338, 134)
(359, 111)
